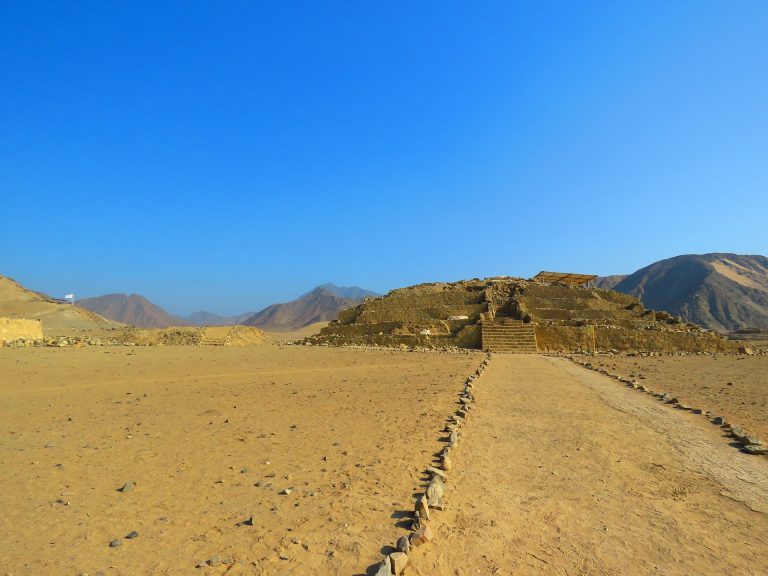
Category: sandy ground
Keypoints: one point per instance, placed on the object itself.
(564, 471)
(211, 436)
(735, 387)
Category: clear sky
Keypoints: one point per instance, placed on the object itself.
(227, 155)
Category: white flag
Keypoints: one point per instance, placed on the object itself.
(70, 296)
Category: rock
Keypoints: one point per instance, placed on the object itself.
(397, 561)
(738, 433)
(385, 568)
(286, 491)
(718, 420)
(757, 449)
(422, 508)
(697, 411)
(115, 543)
(421, 536)
(248, 521)
(453, 438)
(132, 534)
(213, 561)
(436, 472)
(465, 401)
(127, 487)
(435, 492)
(447, 463)
(403, 545)
(746, 350)
(751, 440)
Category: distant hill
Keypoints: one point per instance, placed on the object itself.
(131, 309)
(724, 292)
(57, 317)
(204, 318)
(320, 304)
(607, 282)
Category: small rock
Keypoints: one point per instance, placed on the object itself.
(398, 560)
(436, 472)
(127, 487)
(421, 536)
(718, 420)
(385, 568)
(422, 509)
(132, 534)
(447, 463)
(403, 545)
(213, 561)
(757, 449)
(286, 491)
(115, 543)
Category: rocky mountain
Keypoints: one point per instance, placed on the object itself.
(607, 282)
(724, 292)
(321, 304)
(58, 317)
(131, 309)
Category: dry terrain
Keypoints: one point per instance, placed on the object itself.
(211, 436)
(735, 387)
(564, 471)
(306, 460)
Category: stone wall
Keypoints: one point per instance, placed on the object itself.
(575, 338)
(18, 328)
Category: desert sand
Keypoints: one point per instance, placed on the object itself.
(211, 436)
(735, 387)
(306, 460)
(564, 471)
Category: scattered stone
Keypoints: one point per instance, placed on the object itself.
(397, 561)
(286, 491)
(738, 433)
(422, 508)
(403, 545)
(718, 420)
(421, 536)
(385, 568)
(127, 487)
(435, 492)
(248, 521)
(132, 534)
(115, 543)
(436, 472)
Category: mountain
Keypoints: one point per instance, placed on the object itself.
(131, 309)
(352, 292)
(607, 282)
(320, 304)
(204, 318)
(58, 318)
(724, 292)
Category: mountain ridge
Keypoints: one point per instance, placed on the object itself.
(719, 290)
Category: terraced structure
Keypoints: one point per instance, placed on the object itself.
(506, 314)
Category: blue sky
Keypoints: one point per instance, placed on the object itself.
(224, 156)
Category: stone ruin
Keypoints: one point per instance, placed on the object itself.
(508, 314)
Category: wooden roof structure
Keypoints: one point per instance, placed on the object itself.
(564, 277)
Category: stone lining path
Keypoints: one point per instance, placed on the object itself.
(564, 471)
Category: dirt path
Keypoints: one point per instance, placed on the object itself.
(563, 471)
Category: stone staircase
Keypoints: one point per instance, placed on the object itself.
(508, 335)
(214, 336)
